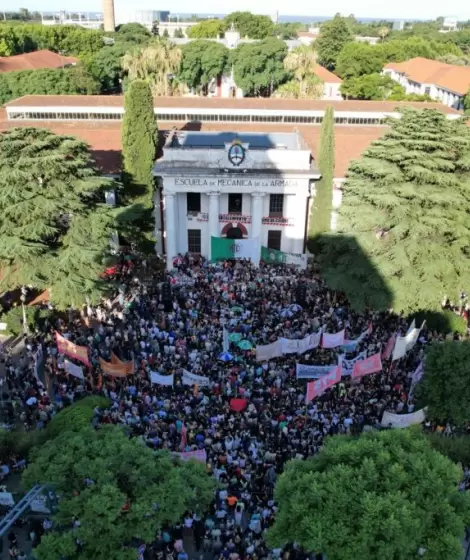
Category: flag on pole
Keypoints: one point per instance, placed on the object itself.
(184, 437)
(226, 342)
(389, 347)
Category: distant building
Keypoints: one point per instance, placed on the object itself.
(369, 40)
(80, 19)
(446, 83)
(37, 60)
(147, 17)
(398, 25)
(449, 24)
(308, 37)
(108, 14)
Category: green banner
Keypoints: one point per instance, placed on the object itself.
(273, 256)
(223, 248)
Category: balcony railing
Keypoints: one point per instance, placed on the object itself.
(277, 221)
(198, 217)
(235, 217)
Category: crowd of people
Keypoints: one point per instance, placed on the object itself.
(251, 416)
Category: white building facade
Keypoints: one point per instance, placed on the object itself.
(235, 186)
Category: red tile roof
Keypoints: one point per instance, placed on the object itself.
(326, 76)
(273, 104)
(424, 71)
(35, 61)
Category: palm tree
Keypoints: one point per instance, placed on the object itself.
(155, 63)
(383, 32)
(302, 63)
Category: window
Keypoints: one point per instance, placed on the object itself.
(194, 240)
(427, 91)
(193, 201)
(274, 239)
(276, 204)
(235, 202)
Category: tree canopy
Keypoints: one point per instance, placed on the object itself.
(334, 35)
(106, 66)
(356, 59)
(250, 25)
(383, 495)
(207, 29)
(406, 207)
(301, 63)
(202, 61)
(54, 224)
(48, 81)
(119, 489)
(259, 67)
(445, 387)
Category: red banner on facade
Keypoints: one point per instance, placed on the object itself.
(367, 366)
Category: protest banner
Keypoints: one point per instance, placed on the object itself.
(268, 351)
(403, 420)
(316, 388)
(114, 370)
(348, 365)
(199, 455)
(332, 340)
(73, 369)
(309, 371)
(193, 379)
(158, 379)
(72, 350)
(238, 405)
(370, 365)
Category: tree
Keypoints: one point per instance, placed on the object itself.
(47, 81)
(301, 62)
(357, 59)
(455, 60)
(466, 102)
(369, 86)
(334, 35)
(400, 50)
(286, 31)
(322, 204)
(207, 29)
(250, 25)
(139, 146)
(178, 33)
(54, 224)
(444, 388)
(156, 63)
(106, 66)
(259, 67)
(133, 33)
(405, 206)
(385, 495)
(119, 489)
(202, 61)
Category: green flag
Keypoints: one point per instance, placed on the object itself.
(223, 248)
(272, 256)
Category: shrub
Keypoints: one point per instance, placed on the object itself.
(444, 321)
(456, 448)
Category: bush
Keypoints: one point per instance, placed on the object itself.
(35, 316)
(444, 321)
(17, 443)
(75, 417)
(456, 448)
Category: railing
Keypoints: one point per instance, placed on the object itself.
(277, 221)
(235, 217)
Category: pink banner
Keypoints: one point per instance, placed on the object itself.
(199, 455)
(389, 348)
(367, 366)
(332, 340)
(316, 388)
(71, 350)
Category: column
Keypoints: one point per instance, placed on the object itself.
(213, 217)
(256, 214)
(170, 229)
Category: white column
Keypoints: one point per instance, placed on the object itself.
(256, 214)
(213, 217)
(170, 229)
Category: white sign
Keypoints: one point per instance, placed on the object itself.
(6, 499)
(158, 379)
(403, 420)
(193, 379)
(235, 182)
(38, 505)
(73, 369)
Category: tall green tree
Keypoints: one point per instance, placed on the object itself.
(371, 87)
(106, 66)
(383, 495)
(139, 146)
(250, 25)
(54, 224)
(356, 59)
(334, 35)
(405, 206)
(322, 204)
(207, 29)
(202, 61)
(119, 490)
(259, 67)
(444, 388)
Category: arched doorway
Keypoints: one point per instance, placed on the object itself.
(234, 230)
(234, 233)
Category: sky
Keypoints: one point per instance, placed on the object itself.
(398, 9)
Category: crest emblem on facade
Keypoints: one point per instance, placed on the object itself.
(236, 153)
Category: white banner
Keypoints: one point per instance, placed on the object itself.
(247, 249)
(226, 342)
(309, 371)
(289, 345)
(158, 379)
(310, 342)
(199, 455)
(6, 499)
(268, 352)
(404, 344)
(73, 369)
(403, 420)
(333, 340)
(193, 379)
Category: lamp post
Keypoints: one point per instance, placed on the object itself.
(23, 299)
